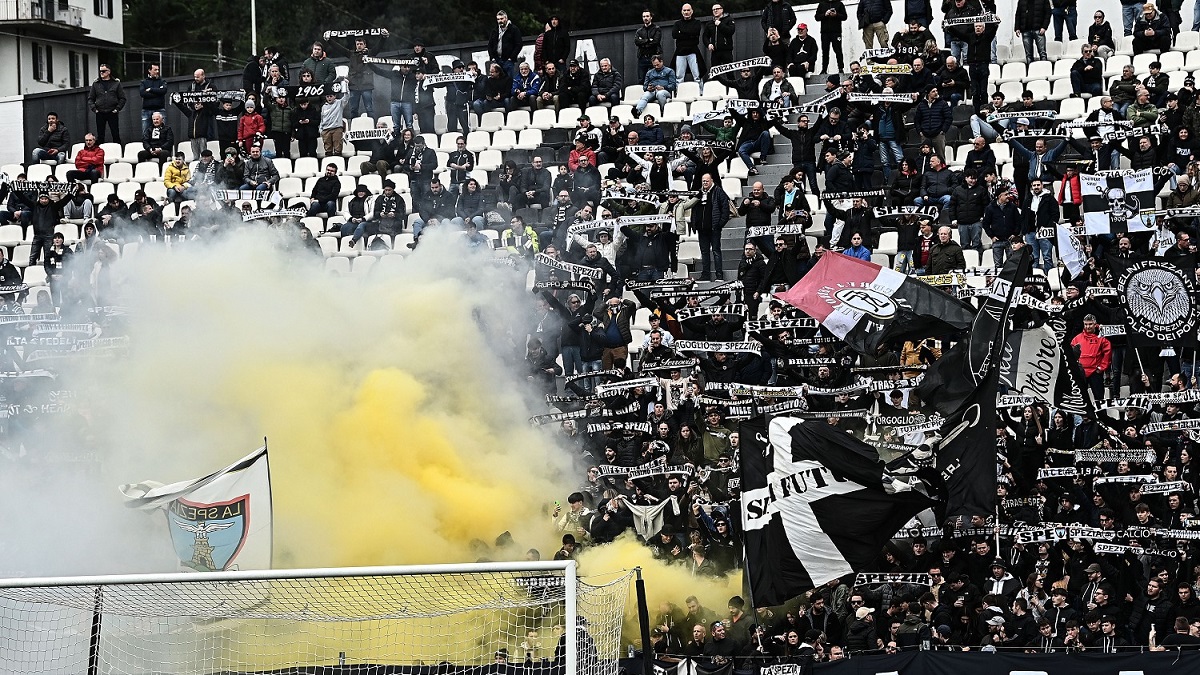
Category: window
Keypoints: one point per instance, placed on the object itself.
(43, 63)
(103, 8)
(79, 69)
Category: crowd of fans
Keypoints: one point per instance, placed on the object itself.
(595, 323)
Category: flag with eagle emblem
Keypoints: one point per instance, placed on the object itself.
(1113, 201)
(1158, 299)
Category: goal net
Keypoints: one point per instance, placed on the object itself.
(531, 617)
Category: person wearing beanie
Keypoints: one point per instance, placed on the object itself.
(251, 126)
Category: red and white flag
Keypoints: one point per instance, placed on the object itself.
(865, 304)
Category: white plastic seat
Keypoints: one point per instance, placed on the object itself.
(36, 275)
(38, 172)
(156, 190)
(1062, 69)
(492, 120)
(652, 109)
(20, 256)
(623, 112)
(568, 118)
(1012, 72)
(478, 141)
(448, 142)
(489, 160)
(112, 152)
(1060, 90)
(1072, 108)
(888, 242)
(1114, 64)
(1171, 61)
(687, 91)
(362, 264)
(338, 266)
(634, 91)
(530, 139)
(362, 123)
(11, 235)
(307, 167)
(714, 91)
(504, 139)
(518, 120)
(1039, 70)
(101, 191)
(126, 190)
(543, 119)
(598, 114)
(1012, 90)
(291, 187)
(1040, 89)
(675, 111)
(130, 153)
(145, 172)
(698, 107)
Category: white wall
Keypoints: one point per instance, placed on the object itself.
(11, 130)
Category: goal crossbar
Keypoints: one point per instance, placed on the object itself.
(568, 570)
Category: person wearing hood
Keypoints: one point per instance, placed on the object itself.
(360, 220)
(1001, 582)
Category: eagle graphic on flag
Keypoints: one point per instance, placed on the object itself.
(1114, 201)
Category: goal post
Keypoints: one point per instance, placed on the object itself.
(532, 617)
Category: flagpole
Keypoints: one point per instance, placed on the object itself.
(271, 495)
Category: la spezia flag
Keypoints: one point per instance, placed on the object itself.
(219, 522)
(817, 504)
(1114, 203)
(1159, 301)
(865, 304)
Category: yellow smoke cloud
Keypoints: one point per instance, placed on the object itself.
(393, 405)
(665, 582)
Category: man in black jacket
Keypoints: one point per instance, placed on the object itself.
(967, 203)
(1039, 210)
(718, 37)
(106, 99)
(44, 214)
(649, 251)
(1032, 20)
(757, 207)
(504, 44)
(648, 40)
(686, 33)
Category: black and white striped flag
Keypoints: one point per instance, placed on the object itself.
(817, 504)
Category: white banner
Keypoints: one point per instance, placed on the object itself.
(219, 522)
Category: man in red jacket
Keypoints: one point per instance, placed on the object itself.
(89, 161)
(1094, 353)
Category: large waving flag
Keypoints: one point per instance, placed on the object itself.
(1113, 201)
(1158, 297)
(817, 504)
(962, 385)
(219, 522)
(865, 304)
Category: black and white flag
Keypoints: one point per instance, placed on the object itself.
(1158, 299)
(1115, 203)
(817, 504)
